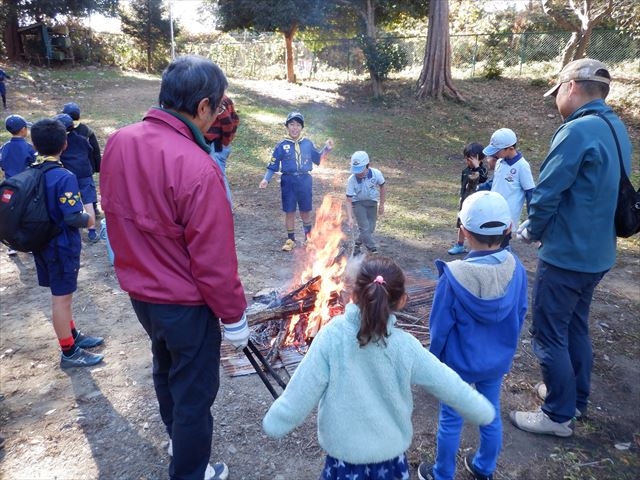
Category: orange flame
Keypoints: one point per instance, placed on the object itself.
(322, 258)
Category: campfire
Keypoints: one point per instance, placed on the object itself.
(284, 325)
(320, 294)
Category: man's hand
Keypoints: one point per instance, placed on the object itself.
(523, 233)
(237, 334)
(329, 144)
(263, 184)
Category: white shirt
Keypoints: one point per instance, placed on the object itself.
(511, 181)
(366, 188)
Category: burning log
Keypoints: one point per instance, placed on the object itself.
(282, 311)
(299, 301)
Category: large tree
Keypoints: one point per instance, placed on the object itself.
(579, 18)
(366, 18)
(283, 16)
(435, 79)
(19, 13)
(145, 21)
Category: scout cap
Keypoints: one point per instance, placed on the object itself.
(485, 213)
(297, 116)
(66, 120)
(72, 109)
(359, 161)
(502, 138)
(15, 123)
(583, 69)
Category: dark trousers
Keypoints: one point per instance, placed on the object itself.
(561, 341)
(185, 342)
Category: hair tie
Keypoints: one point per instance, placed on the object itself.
(379, 280)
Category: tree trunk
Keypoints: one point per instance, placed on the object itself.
(11, 38)
(583, 43)
(435, 79)
(148, 36)
(569, 50)
(579, 18)
(369, 17)
(288, 42)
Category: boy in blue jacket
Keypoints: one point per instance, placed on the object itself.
(58, 263)
(17, 154)
(478, 310)
(77, 159)
(294, 157)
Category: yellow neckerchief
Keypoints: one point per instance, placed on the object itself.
(46, 158)
(296, 148)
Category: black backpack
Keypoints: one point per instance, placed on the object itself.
(627, 216)
(25, 224)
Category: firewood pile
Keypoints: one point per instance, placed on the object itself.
(269, 317)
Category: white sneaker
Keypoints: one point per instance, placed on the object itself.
(541, 390)
(539, 422)
(11, 252)
(219, 471)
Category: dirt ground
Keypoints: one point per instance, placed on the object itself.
(103, 422)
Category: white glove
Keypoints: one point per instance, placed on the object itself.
(522, 233)
(237, 334)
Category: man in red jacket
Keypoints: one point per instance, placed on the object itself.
(171, 229)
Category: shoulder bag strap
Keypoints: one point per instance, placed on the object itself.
(623, 173)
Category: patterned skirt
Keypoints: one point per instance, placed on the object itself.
(394, 469)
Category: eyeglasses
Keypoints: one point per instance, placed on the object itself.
(221, 109)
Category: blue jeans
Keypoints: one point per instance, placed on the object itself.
(221, 159)
(561, 301)
(185, 342)
(450, 426)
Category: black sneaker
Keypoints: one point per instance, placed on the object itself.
(92, 235)
(87, 341)
(468, 464)
(81, 358)
(425, 471)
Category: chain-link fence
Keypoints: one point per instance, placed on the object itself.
(513, 54)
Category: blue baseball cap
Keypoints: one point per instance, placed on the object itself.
(72, 109)
(15, 123)
(297, 116)
(501, 138)
(66, 120)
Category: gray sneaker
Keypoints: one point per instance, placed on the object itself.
(219, 471)
(87, 341)
(541, 390)
(81, 358)
(539, 422)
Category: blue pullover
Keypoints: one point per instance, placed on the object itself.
(478, 310)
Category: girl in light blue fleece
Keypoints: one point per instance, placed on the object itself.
(359, 371)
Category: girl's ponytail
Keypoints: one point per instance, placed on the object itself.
(379, 288)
